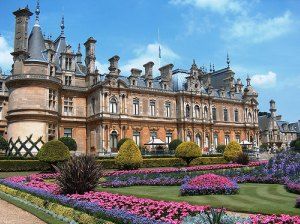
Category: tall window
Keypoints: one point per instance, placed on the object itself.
(205, 112)
(227, 139)
(168, 137)
(236, 115)
(136, 107)
(93, 105)
(187, 111)
(238, 138)
(1, 109)
(152, 108)
(52, 99)
(198, 139)
(68, 132)
(206, 142)
(249, 117)
(51, 131)
(68, 80)
(113, 106)
(153, 135)
(168, 109)
(225, 114)
(214, 113)
(113, 140)
(215, 139)
(188, 137)
(68, 63)
(68, 105)
(136, 137)
(197, 111)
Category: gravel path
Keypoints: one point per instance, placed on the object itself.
(11, 214)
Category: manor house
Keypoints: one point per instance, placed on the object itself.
(54, 90)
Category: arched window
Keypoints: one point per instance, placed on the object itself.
(198, 139)
(205, 112)
(197, 111)
(113, 106)
(214, 113)
(188, 137)
(225, 114)
(249, 117)
(206, 141)
(216, 140)
(133, 82)
(187, 111)
(227, 139)
(113, 140)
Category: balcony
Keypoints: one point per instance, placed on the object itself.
(13, 78)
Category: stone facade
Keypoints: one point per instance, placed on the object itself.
(52, 93)
(274, 131)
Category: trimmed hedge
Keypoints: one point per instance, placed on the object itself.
(188, 151)
(166, 162)
(232, 151)
(35, 165)
(53, 152)
(23, 165)
(69, 142)
(3, 144)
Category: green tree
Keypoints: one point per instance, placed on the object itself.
(188, 151)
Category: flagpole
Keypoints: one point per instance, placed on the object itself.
(159, 49)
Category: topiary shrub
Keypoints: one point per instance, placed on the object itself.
(53, 152)
(69, 142)
(174, 144)
(221, 148)
(232, 151)
(3, 144)
(292, 143)
(243, 159)
(129, 156)
(78, 175)
(188, 151)
(121, 142)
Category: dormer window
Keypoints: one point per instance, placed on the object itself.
(165, 86)
(68, 80)
(150, 84)
(133, 82)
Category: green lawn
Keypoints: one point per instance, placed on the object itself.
(10, 174)
(252, 198)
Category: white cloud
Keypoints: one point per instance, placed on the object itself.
(149, 53)
(6, 59)
(219, 6)
(257, 30)
(264, 81)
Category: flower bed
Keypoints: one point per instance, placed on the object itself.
(293, 187)
(209, 184)
(186, 169)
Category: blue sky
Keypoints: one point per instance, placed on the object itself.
(261, 37)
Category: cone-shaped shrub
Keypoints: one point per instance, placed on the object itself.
(174, 144)
(69, 142)
(129, 156)
(232, 151)
(121, 142)
(53, 152)
(78, 175)
(221, 148)
(188, 151)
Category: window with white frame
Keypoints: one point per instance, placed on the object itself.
(238, 138)
(168, 137)
(197, 111)
(206, 141)
(52, 99)
(68, 132)
(113, 106)
(216, 140)
(136, 106)
(68, 80)
(136, 137)
(152, 108)
(189, 137)
(227, 139)
(205, 112)
(68, 105)
(168, 109)
(198, 139)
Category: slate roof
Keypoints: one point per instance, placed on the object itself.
(36, 45)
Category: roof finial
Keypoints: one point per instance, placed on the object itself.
(228, 61)
(62, 26)
(213, 67)
(248, 81)
(210, 69)
(78, 49)
(37, 13)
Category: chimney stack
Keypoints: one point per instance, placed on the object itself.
(90, 57)
(149, 70)
(166, 72)
(114, 65)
